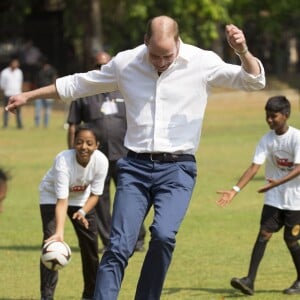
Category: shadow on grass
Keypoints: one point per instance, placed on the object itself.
(256, 178)
(259, 178)
(19, 298)
(8, 298)
(20, 248)
(222, 293)
(27, 248)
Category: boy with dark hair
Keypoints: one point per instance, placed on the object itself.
(280, 150)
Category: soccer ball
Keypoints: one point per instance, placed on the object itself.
(55, 255)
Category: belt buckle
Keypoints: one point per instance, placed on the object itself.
(151, 158)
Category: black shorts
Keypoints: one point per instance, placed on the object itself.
(273, 219)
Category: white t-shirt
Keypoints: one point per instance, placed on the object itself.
(281, 153)
(68, 179)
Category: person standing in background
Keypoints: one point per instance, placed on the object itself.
(106, 114)
(45, 76)
(11, 81)
(30, 56)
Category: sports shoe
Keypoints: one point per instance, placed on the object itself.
(245, 285)
(293, 289)
(139, 247)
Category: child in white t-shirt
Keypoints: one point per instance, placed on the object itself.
(279, 149)
(72, 187)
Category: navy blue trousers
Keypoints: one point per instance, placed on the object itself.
(142, 184)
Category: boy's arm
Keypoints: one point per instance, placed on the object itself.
(228, 195)
(275, 182)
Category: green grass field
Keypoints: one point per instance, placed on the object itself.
(213, 245)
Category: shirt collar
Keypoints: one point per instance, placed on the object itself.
(183, 54)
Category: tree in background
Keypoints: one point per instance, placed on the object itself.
(83, 26)
(272, 27)
(273, 31)
(199, 20)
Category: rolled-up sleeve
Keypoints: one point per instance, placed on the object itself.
(85, 84)
(221, 74)
(255, 82)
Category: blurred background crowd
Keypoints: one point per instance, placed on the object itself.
(71, 32)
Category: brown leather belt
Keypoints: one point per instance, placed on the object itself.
(161, 157)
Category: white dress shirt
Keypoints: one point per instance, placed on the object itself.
(164, 113)
(11, 81)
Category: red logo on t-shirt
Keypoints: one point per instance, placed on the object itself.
(78, 188)
(283, 161)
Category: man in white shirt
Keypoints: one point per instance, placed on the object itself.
(165, 84)
(11, 81)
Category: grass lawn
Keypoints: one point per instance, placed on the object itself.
(213, 245)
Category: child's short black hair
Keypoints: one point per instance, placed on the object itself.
(278, 104)
(4, 175)
(86, 126)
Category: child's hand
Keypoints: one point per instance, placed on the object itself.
(79, 216)
(271, 183)
(55, 237)
(226, 197)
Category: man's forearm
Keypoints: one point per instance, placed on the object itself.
(250, 63)
(47, 92)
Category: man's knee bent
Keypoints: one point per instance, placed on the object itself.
(162, 239)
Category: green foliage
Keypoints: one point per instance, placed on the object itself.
(76, 14)
(199, 20)
(269, 25)
(14, 12)
(278, 18)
